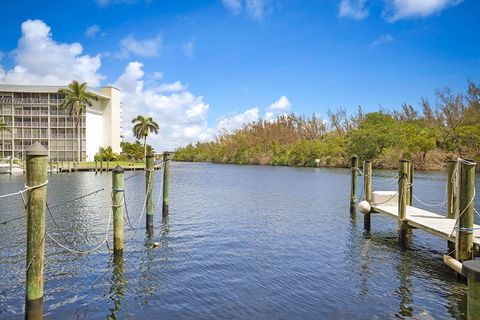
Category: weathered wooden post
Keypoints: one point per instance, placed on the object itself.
(471, 270)
(464, 238)
(166, 184)
(101, 166)
(149, 167)
(11, 163)
(402, 227)
(367, 187)
(51, 167)
(96, 167)
(37, 162)
(354, 172)
(451, 197)
(108, 166)
(117, 207)
(411, 171)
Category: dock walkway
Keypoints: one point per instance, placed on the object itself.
(430, 222)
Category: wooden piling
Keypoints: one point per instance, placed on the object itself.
(117, 207)
(96, 167)
(464, 239)
(367, 187)
(471, 270)
(11, 164)
(402, 226)
(149, 167)
(101, 166)
(354, 172)
(411, 173)
(166, 184)
(451, 197)
(36, 180)
(51, 166)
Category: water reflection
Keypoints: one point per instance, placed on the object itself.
(404, 269)
(118, 286)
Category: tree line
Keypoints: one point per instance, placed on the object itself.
(428, 135)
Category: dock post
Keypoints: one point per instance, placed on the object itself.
(471, 270)
(96, 167)
(411, 171)
(354, 172)
(464, 238)
(11, 163)
(451, 197)
(367, 187)
(36, 180)
(117, 207)
(149, 167)
(101, 166)
(51, 166)
(166, 184)
(403, 182)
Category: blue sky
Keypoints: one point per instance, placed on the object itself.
(199, 66)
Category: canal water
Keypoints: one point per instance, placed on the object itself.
(241, 242)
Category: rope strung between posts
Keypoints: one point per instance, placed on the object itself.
(36, 253)
(133, 175)
(432, 204)
(75, 199)
(27, 188)
(83, 251)
(461, 213)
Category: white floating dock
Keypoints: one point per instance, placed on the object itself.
(430, 222)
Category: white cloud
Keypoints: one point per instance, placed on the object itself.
(41, 60)
(255, 9)
(382, 39)
(171, 87)
(236, 121)
(181, 115)
(146, 47)
(354, 9)
(188, 49)
(92, 31)
(281, 105)
(402, 9)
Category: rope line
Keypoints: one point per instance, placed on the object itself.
(75, 199)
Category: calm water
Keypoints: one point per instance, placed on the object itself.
(241, 242)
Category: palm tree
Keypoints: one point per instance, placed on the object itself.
(143, 126)
(77, 99)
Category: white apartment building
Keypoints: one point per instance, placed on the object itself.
(32, 113)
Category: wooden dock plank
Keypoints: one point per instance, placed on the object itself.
(428, 221)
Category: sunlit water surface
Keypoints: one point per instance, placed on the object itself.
(241, 242)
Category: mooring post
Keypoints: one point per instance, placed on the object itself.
(354, 171)
(411, 171)
(11, 163)
(402, 202)
(166, 184)
(451, 197)
(149, 167)
(108, 166)
(101, 166)
(117, 207)
(51, 166)
(36, 181)
(471, 270)
(464, 239)
(367, 187)
(96, 167)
